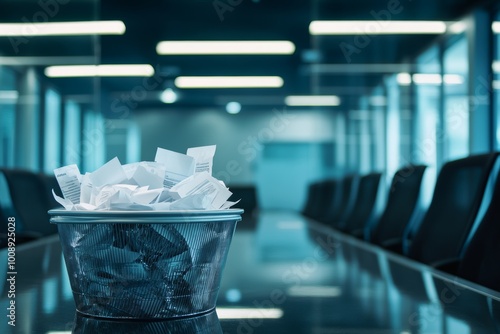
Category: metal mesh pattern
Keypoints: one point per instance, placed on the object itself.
(145, 271)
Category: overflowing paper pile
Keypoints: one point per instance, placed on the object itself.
(174, 181)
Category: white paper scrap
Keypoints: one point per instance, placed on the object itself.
(192, 202)
(145, 197)
(203, 183)
(167, 196)
(66, 203)
(174, 181)
(130, 169)
(203, 157)
(178, 166)
(110, 173)
(101, 197)
(150, 174)
(85, 206)
(85, 189)
(229, 204)
(68, 178)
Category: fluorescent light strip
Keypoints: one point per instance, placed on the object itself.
(229, 82)
(376, 27)
(225, 48)
(99, 71)
(63, 28)
(427, 79)
(457, 27)
(312, 100)
(436, 79)
(496, 66)
(405, 79)
(249, 313)
(358, 68)
(495, 26)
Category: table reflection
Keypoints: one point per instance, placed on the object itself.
(203, 324)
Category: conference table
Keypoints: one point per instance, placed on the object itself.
(284, 274)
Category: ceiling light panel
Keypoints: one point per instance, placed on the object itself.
(63, 28)
(229, 82)
(225, 48)
(376, 27)
(495, 26)
(99, 71)
(312, 100)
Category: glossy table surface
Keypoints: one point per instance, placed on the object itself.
(286, 275)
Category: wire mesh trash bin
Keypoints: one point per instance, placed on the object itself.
(145, 264)
(206, 323)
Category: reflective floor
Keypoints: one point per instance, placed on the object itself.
(287, 275)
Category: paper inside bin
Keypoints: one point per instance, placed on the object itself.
(174, 181)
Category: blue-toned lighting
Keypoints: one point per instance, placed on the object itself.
(225, 48)
(233, 295)
(228, 82)
(312, 100)
(339, 27)
(62, 28)
(110, 70)
(168, 96)
(233, 108)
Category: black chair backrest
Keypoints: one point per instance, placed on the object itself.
(50, 182)
(451, 214)
(247, 196)
(364, 206)
(347, 196)
(480, 263)
(329, 194)
(401, 206)
(314, 194)
(30, 200)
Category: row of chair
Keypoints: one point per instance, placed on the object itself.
(457, 233)
(27, 196)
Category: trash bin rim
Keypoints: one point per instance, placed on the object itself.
(62, 216)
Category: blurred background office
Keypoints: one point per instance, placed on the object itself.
(406, 82)
(333, 112)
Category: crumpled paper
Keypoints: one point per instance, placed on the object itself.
(174, 181)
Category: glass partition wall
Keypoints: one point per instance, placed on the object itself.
(456, 99)
(41, 124)
(436, 110)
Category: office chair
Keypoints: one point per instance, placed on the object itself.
(247, 196)
(347, 195)
(451, 214)
(313, 194)
(30, 201)
(364, 206)
(480, 263)
(402, 206)
(329, 197)
(315, 200)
